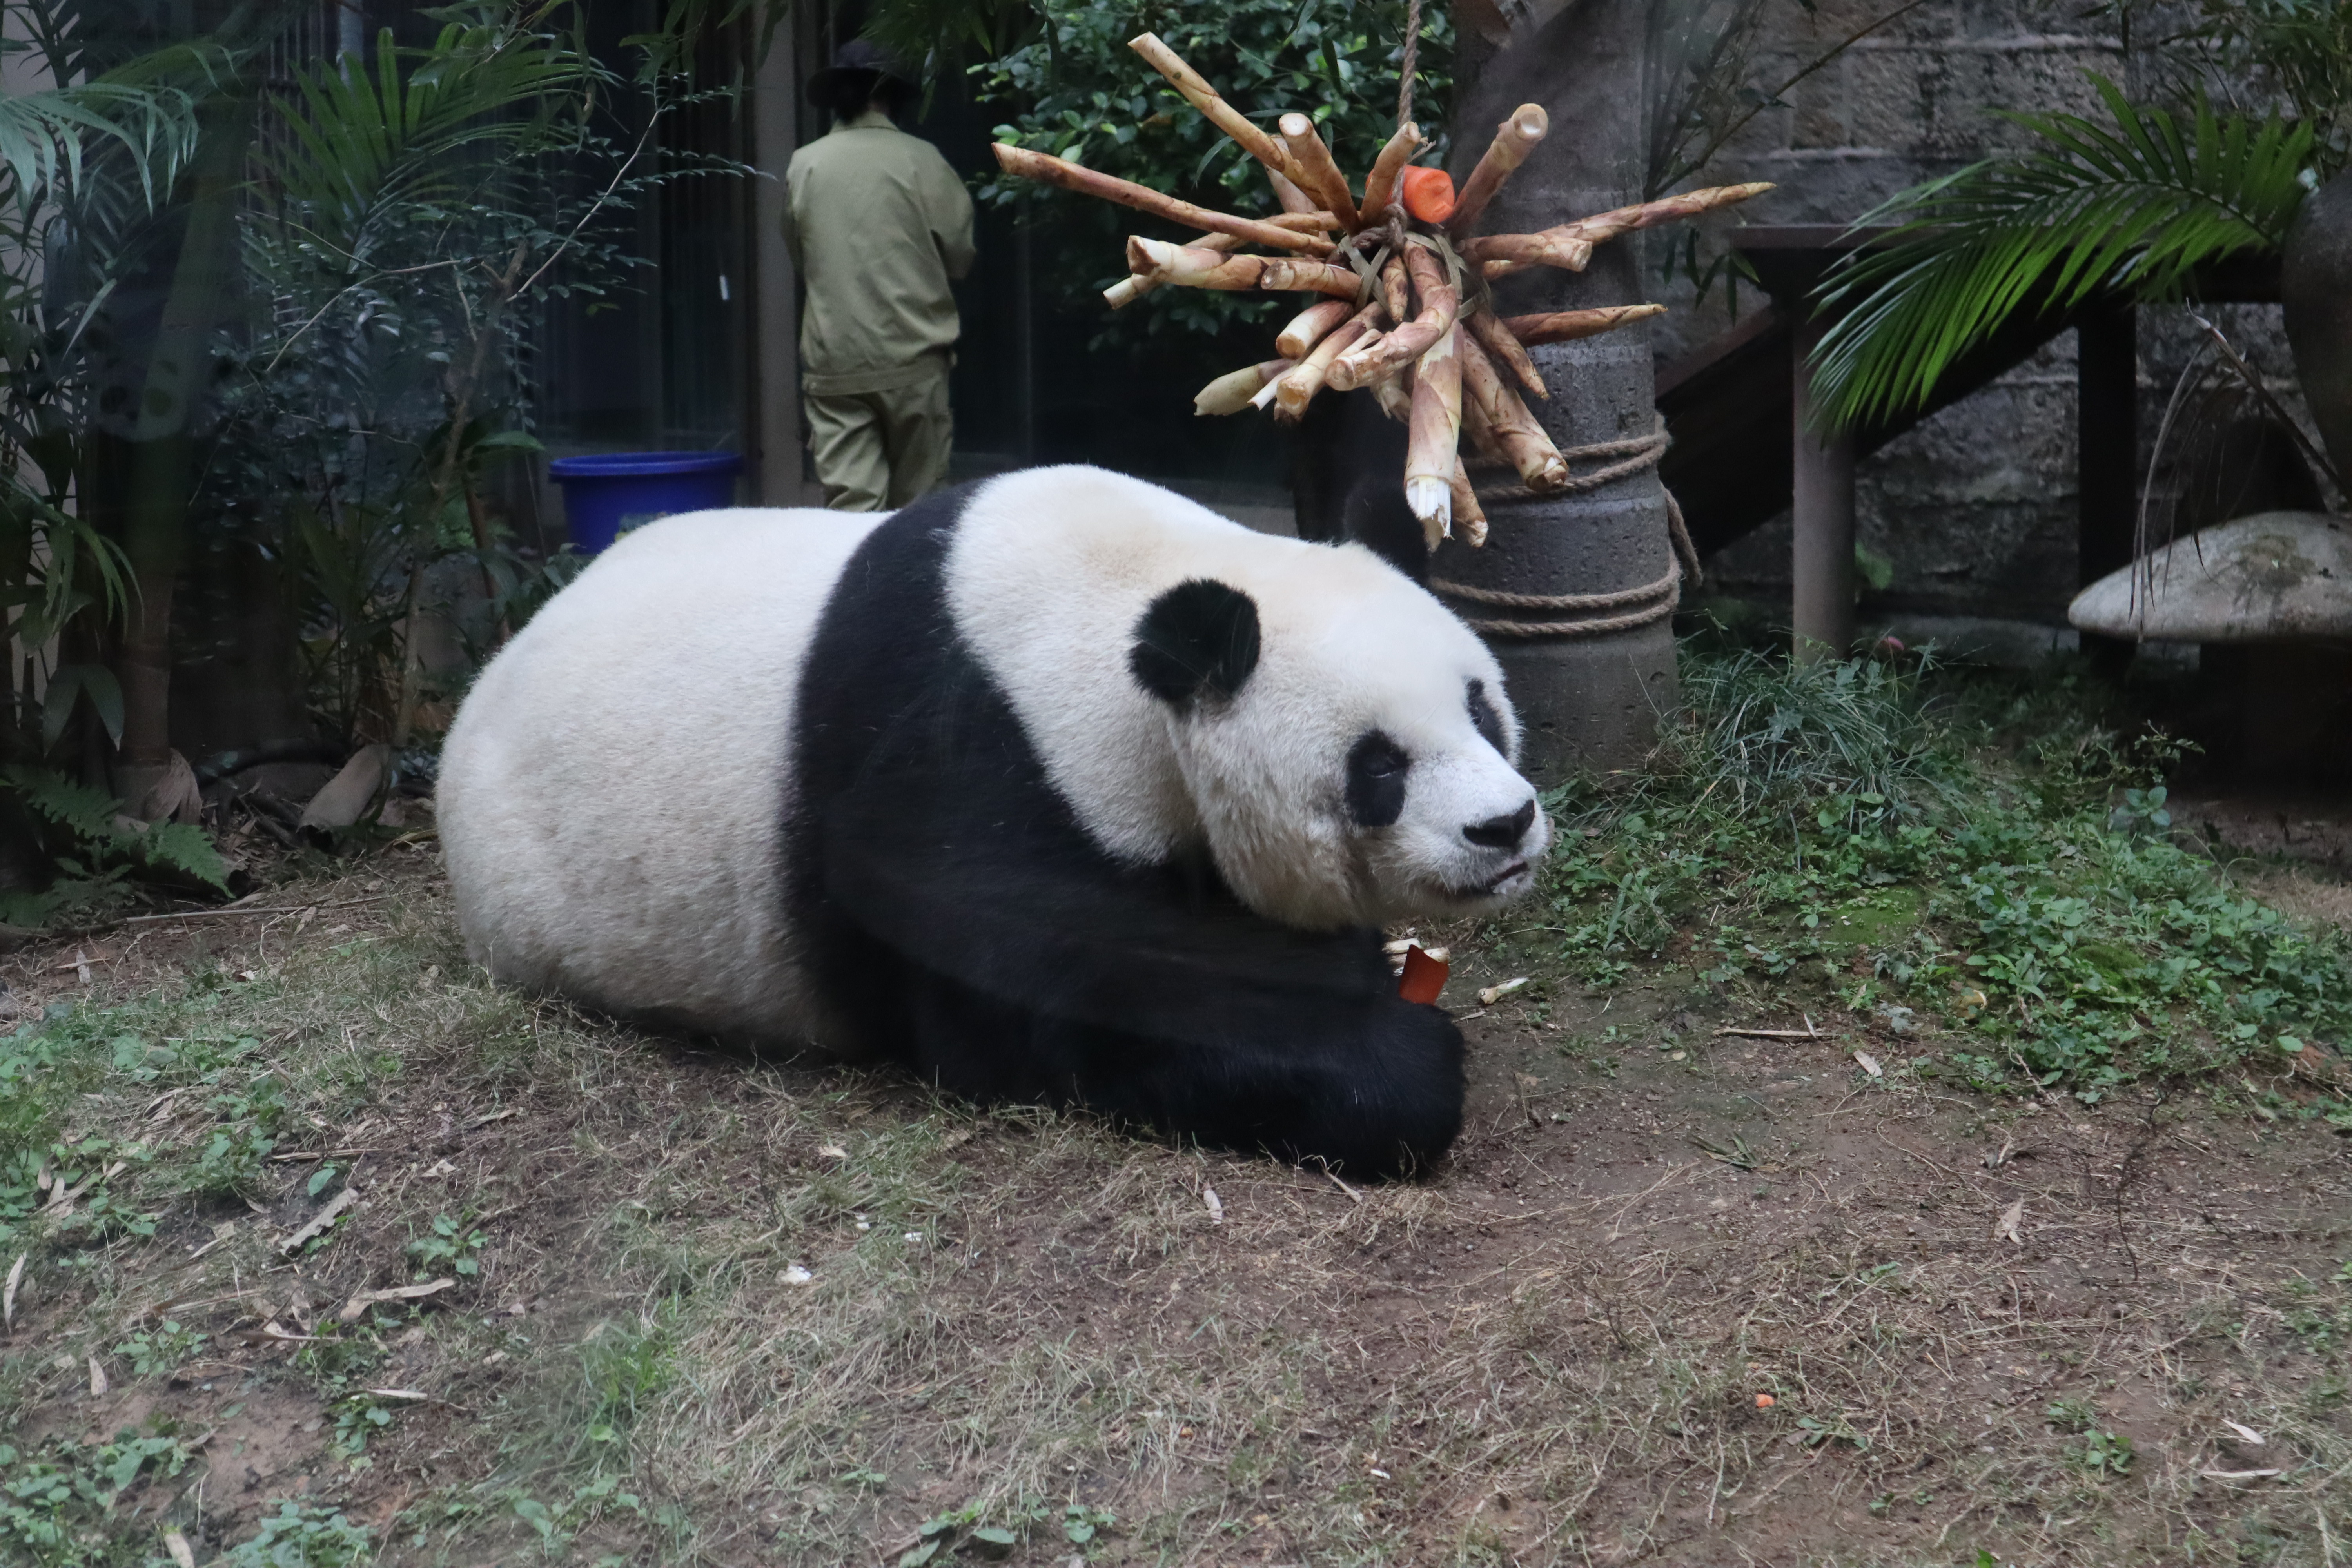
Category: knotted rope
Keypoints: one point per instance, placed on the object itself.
(1637, 607)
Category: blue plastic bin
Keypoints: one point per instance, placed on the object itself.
(605, 494)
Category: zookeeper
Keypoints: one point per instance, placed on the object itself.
(879, 226)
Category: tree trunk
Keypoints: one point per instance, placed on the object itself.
(1589, 704)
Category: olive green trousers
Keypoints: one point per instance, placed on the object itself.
(878, 451)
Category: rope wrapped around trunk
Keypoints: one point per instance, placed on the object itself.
(1637, 607)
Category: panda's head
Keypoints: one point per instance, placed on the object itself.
(1346, 742)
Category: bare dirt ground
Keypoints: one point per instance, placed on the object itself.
(1679, 1296)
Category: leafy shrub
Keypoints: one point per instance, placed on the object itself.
(1078, 92)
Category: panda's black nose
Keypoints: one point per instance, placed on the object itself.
(1502, 832)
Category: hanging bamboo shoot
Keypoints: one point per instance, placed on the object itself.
(1570, 245)
(1324, 181)
(1514, 139)
(1469, 517)
(1052, 170)
(1439, 301)
(1433, 445)
(1310, 326)
(1565, 326)
(1506, 351)
(1301, 383)
(1515, 431)
(1196, 269)
(1215, 109)
(1381, 186)
(1230, 393)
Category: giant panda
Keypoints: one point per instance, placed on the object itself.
(1055, 787)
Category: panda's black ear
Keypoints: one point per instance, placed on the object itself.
(1198, 640)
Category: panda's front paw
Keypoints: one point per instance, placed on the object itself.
(1394, 1106)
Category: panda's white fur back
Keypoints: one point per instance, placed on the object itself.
(612, 796)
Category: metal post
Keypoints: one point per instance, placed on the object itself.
(1821, 507)
(2107, 465)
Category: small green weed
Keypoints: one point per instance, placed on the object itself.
(57, 1499)
(159, 1350)
(447, 1248)
(2102, 1454)
(301, 1537)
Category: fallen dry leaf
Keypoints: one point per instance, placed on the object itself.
(356, 1307)
(2246, 1435)
(317, 1224)
(2011, 1219)
(485, 1120)
(1869, 1064)
(831, 1151)
(183, 1554)
(2236, 1474)
(9, 1298)
(1215, 1205)
(98, 1383)
(407, 1394)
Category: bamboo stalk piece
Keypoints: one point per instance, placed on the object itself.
(1514, 138)
(1565, 326)
(1230, 393)
(1514, 432)
(1287, 195)
(1507, 352)
(1324, 181)
(1433, 441)
(1381, 185)
(1469, 517)
(1049, 169)
(1222, 115)
(1573, 242)
(1310, 326)
(1300, 385)
(1197, 268)
(1439, 303)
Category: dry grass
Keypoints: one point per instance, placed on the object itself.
(1550, 1353)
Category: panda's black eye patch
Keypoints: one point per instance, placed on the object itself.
(1485, 720)
(1376, 770)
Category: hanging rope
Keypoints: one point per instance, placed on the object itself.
(1638, 606)
(1411, 62)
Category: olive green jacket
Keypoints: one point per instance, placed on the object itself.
(879, 226)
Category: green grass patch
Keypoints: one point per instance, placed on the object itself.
(1884, 835)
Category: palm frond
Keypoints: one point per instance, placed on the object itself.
(2133, 208)
(357, 147)
(51, 140)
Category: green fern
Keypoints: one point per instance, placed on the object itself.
(97, 845)
(2134, 208)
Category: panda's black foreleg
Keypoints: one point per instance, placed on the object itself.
(1371, 1089)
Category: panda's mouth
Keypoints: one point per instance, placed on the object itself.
(1496, 885)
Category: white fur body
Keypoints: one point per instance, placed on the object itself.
(613, 792)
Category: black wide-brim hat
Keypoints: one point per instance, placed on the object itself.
(855, 59)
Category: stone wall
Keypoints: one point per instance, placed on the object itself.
(1974, 509)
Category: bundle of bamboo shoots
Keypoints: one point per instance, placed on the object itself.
(1404, 311)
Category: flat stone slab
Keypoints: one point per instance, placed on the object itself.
(2276, 576)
